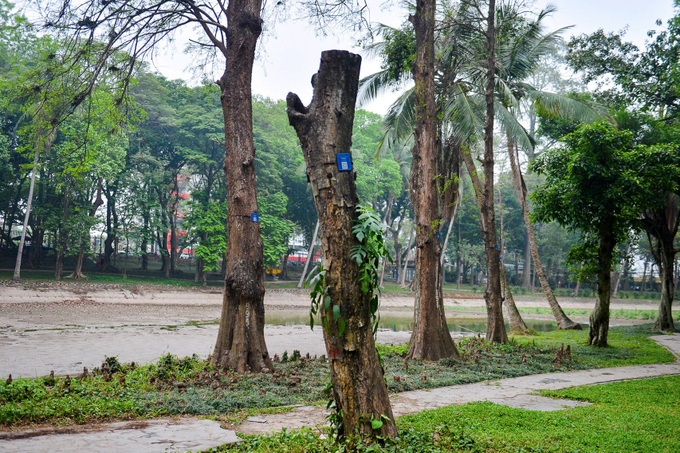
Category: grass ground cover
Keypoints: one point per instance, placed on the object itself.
(175, 386)
(634, 416)
(615, 313)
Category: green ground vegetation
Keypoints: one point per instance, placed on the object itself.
(191, 386)
(640, 416)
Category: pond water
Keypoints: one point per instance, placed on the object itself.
(399, 322)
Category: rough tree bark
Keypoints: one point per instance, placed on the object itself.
(325, 129)
(240, 340)
(599, 318)
(563, 321)
(495, 330)
(431, 339)
(661, 226)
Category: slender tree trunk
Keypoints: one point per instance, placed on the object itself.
(599, 318)
(20, 253)
(664, 322)
(78, 271)
(526, 272)
(563, 321)
(448, 236)
(495, 330)
(240, 340)
(517, 324)
(310, 255)
(409, 246)
(325, 129)
(430, 339)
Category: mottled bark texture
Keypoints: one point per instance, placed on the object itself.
(325, 129)
(240, 341)
(431, 339)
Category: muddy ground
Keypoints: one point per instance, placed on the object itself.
(66, 326)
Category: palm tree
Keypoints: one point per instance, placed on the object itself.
(521, 42)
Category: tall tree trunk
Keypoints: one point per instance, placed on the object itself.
(599, 318)
(517, 323)
(111, 228)
(325, 129)
(664, 322)
(563, 321)
(409, 246)
(661, 226)
(526, 271)
(240, 340)
(37, 237)
(495, 330)
(310, 256)
(431, 339)
(78, 271)
(20, 252)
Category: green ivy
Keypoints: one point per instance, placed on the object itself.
(367, 254)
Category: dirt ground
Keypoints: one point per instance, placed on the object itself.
(66, 326)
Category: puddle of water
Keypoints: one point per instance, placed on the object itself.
(399, 322)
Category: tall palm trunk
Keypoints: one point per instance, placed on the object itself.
(563, 321)
(517, 324)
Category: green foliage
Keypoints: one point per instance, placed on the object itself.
(319, 293)
(598, 183)
(640, 415)
(399, 53)
(189, 385)
(207, 228)
(367, 254)
(276, 229)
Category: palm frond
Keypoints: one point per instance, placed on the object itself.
(564, 106)
(509, 123)
(400, 119)
(372, 86)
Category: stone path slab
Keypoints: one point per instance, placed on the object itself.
(154, 436)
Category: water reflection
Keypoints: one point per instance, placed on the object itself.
(400, 322)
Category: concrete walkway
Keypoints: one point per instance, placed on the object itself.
(191, 434)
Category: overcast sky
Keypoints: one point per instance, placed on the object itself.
(289, 54)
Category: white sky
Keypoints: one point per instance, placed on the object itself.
(289, 54)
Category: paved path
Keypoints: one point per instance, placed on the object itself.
(184, 434)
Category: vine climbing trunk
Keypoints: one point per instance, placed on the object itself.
(325, 129)
(240, 341)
